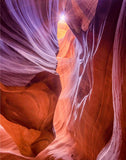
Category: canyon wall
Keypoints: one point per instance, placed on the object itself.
(63, 84)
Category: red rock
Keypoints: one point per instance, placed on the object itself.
(63, 94)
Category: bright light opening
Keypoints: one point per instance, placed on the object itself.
(62, 27)
(62, 17)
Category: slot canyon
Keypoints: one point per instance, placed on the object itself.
(63, 79)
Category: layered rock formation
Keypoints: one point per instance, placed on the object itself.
(63, 88)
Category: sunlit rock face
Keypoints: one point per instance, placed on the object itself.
(63, 81)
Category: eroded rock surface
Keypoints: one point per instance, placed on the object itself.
(63, 93)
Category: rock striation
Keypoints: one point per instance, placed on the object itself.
(63, 84)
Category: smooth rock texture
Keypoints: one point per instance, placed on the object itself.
(63, 83)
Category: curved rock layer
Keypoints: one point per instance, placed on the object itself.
(63, 88)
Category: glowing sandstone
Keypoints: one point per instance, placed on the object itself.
(88, 111)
